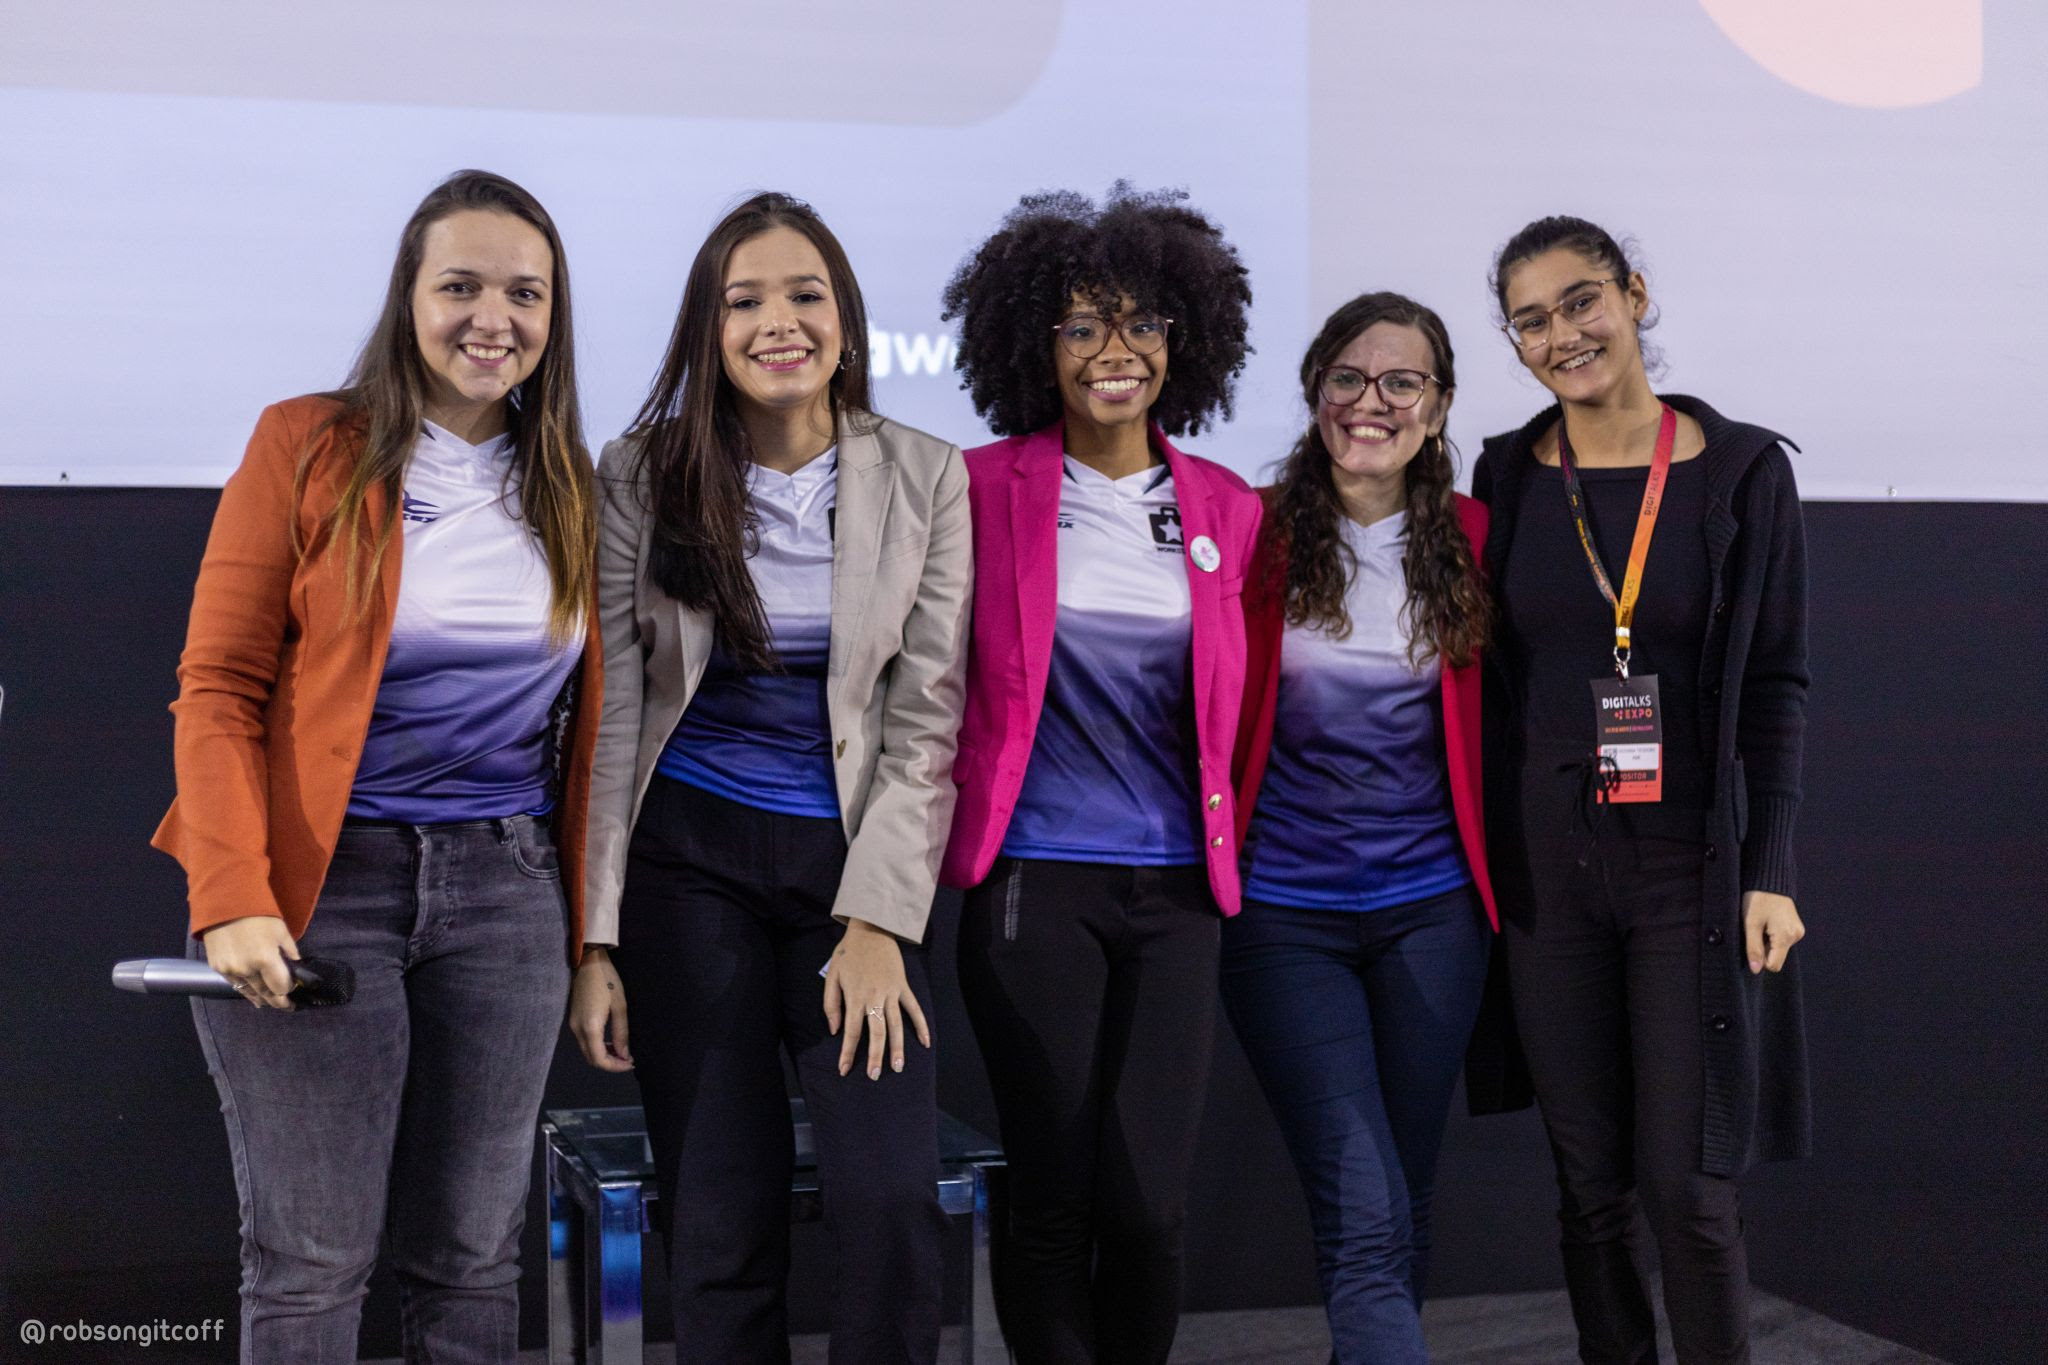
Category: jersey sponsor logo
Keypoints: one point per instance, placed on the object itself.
(1166, 532)
(419, 509)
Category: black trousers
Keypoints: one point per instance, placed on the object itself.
(1603, 932)
(724, 925)
(1092, 990)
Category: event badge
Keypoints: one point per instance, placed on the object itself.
(1629, 737)
(1628, 728)
(1205, 554)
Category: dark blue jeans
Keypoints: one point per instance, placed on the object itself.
(410, 1111)
(1355, 1024)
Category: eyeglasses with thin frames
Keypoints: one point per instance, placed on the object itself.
(1086, 335)
(1343, 385)
(1583, 305)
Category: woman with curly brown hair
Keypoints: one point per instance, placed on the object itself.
(1095, 824)
(1354, 974)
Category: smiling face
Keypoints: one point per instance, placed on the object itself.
(481, 306)
(781, 339)
(1115, 388)
(1371, 441)
(1580, 362)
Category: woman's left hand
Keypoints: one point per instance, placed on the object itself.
(864, 984)
(1770, 923)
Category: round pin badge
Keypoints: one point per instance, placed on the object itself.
(1205, 554)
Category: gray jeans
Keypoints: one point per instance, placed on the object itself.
(408, 1112)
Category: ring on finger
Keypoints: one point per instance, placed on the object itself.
(874, 1011)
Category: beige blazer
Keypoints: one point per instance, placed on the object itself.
(902, 579)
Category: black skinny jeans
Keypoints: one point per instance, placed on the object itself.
(724, 924)
(1602, 928)
(1092, 990)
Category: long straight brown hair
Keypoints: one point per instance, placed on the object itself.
(694, 448)
(383, 401)
(1449, 614)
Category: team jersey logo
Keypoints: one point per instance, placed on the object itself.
(1166, 532)
(418, 509)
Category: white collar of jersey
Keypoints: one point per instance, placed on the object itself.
(800, 489)
(808, 475)
(1146, 480)
(1379, 537)
(493, 450)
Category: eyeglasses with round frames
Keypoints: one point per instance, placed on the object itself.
(1583, 305)
(1086, 335)
(1343, 385)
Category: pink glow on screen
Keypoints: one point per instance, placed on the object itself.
(1873, 54)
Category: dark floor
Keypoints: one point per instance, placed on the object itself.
(1484, 1329)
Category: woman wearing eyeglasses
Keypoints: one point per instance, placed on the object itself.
(1095, 823)
(1354, 974)
(1650, 568)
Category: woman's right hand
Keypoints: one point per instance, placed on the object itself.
(251, 953)
(597, 1003)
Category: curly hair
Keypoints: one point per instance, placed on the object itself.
(1449, 613)
(1152, 247)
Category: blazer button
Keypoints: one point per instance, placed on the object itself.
(1719, 1023)
(1216, 842)
(1215, 801)
(1714, 938)
(1720, 609)
(1713, 852)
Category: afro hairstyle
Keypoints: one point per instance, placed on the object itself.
(1151, 247)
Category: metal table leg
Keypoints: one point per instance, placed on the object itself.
(612, 1277)
(565, 1238)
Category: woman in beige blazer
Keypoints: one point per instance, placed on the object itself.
(783, 592)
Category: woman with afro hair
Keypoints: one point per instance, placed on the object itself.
(1356, 971)
(1095, 829)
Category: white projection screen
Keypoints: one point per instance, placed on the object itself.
(1840, 201)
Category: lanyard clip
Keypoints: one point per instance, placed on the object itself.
(1621, 651)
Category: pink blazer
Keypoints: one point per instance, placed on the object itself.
(1264, 623)
(1014, 490)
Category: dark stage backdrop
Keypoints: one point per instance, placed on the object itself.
(1920, 1217)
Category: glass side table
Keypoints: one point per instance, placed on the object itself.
(601, 1183)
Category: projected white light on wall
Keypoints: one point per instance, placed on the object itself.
(932, 62)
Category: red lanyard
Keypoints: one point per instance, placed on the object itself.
(1646, 525)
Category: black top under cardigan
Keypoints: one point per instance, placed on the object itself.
(1752, 717)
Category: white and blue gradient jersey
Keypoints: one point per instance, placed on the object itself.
(459, 729)
(765, 739)
(1355, 809)
(1108, 780)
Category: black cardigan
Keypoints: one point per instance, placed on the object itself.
(1752, 694)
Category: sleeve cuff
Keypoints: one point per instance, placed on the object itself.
(1767, 863)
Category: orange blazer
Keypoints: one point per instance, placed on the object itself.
(276, 686)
